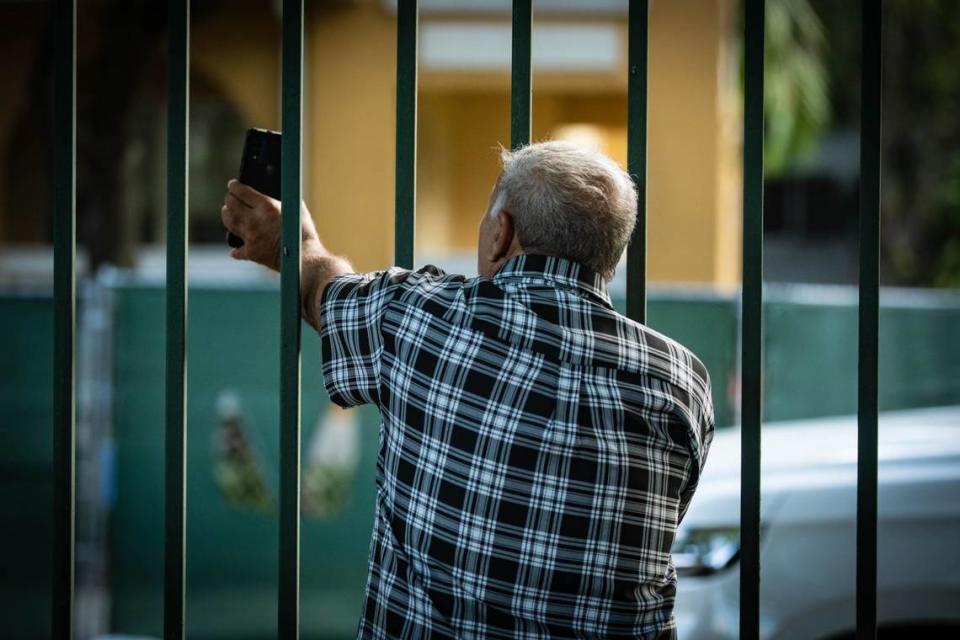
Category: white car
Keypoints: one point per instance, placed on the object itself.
(808, 531)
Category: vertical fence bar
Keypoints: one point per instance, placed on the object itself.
(64, 312)
(752, 305)
(288, 605)
(867, 396)
(178, 109)
(637, 155)
(406, 153)
(521, 80)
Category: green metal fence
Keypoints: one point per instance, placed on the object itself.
(64, 170)
(291, 187)
(175, 494)
(65, 302)
(751, 356)
(869, 322)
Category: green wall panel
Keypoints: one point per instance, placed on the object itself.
(231, 551)
(26, 484)
(811, 356)
(708, 327)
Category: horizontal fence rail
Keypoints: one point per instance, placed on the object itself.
(869, 320)
(64, 309)
(178, 100)
(751, 356)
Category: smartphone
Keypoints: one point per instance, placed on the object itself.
(259, 167)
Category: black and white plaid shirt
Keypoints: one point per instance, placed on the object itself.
(537, 451)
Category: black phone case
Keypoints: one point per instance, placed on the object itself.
(259, 167)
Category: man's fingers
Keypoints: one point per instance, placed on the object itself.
(230, 217)
(232, 198)
(247, 195)
(255, 219)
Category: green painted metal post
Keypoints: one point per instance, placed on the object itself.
(752, 303)
(288, 605)
(178, 100)
(406, 153)
(867, 396)
(64, 306)
(521, 79)
(637, 155)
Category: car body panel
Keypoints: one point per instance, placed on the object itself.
(808, 515)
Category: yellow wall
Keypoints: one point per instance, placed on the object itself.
(350, 75)
(693, 164)
(693, 190)
(694, 128)
(693, 208)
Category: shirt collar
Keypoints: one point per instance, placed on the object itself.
(559, 272)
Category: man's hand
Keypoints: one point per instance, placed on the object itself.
(255, 218)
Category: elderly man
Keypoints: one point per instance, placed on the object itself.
(537, 448)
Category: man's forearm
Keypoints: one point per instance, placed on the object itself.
(318, 268)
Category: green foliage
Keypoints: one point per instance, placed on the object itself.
(796, 92)
(813, 82)
(947, 272)
(921, 140)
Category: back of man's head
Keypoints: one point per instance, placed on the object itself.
(568, 201)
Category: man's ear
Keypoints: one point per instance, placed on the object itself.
(503, 236)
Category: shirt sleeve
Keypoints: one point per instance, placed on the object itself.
(352, 307)
(701, 436)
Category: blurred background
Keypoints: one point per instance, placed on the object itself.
(580, 83)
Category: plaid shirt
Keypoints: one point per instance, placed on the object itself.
(537, 451)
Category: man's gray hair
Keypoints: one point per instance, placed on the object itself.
(568, 201)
